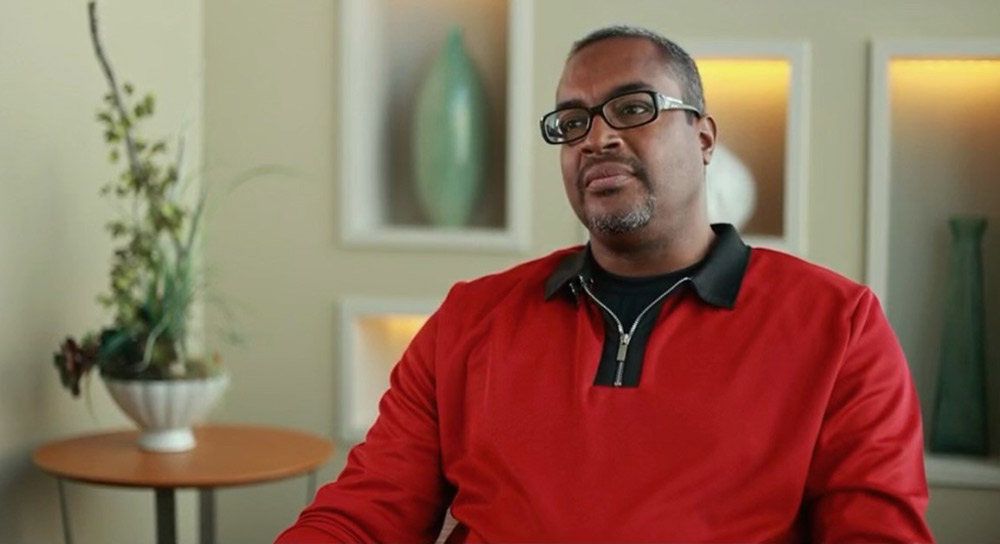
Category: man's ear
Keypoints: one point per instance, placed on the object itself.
(706, 136)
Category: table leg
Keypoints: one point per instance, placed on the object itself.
(166, 516)
(64, 511)
(310, 486)
(206, 515)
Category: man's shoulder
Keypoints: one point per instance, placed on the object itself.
(771, 269)
(526, 278)
(531, 274)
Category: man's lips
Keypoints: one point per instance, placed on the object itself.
(605, 176)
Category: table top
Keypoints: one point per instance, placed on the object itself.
(224, 455)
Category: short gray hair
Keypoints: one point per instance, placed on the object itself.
(679, 63)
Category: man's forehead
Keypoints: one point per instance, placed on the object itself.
(601, 67)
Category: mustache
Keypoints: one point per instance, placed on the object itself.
(633, 164)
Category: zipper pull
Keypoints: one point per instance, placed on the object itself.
(622, 350)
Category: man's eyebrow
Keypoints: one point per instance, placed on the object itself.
(628, 88)
(620, 89)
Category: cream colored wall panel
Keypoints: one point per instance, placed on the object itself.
(54, 251)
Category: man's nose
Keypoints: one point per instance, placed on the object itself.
(601, 137)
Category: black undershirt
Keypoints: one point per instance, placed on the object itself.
(627, 297)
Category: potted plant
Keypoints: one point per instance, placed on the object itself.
(143, 355)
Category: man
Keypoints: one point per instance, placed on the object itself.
(667, 383)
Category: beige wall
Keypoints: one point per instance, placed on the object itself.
(270, 96)
(54, 253)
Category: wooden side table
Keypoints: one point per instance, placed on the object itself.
(225, 455)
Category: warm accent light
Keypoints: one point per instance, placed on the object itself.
(964, 80)
(396, 329)
(758, 76)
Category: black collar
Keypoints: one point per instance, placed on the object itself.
(717, 281)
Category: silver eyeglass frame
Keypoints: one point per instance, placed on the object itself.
(662, 101)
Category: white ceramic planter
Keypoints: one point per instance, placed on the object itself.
(166, 409)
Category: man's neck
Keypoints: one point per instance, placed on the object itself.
(629, 255)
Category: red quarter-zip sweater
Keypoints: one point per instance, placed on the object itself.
(774, 404)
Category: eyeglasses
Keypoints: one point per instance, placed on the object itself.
(627, 110)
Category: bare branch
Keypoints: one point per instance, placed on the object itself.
(133, 158)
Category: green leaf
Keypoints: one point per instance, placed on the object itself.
(170, 212)
(105, 117)
(117, 228)
(120, 283)
(128, 88)
(113, 156)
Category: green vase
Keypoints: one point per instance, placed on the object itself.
(449, 136)
(959, 423)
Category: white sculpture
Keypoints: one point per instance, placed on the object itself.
(730, 189)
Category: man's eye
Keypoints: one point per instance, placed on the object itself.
(573, 123)
(633, 108)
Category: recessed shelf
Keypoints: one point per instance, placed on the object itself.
(934, 124)
(758, 93)
(387, 48)
(963, 472)
(374, 334)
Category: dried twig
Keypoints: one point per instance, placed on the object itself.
(133, 158)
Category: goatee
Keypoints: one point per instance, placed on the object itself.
(624, 221)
